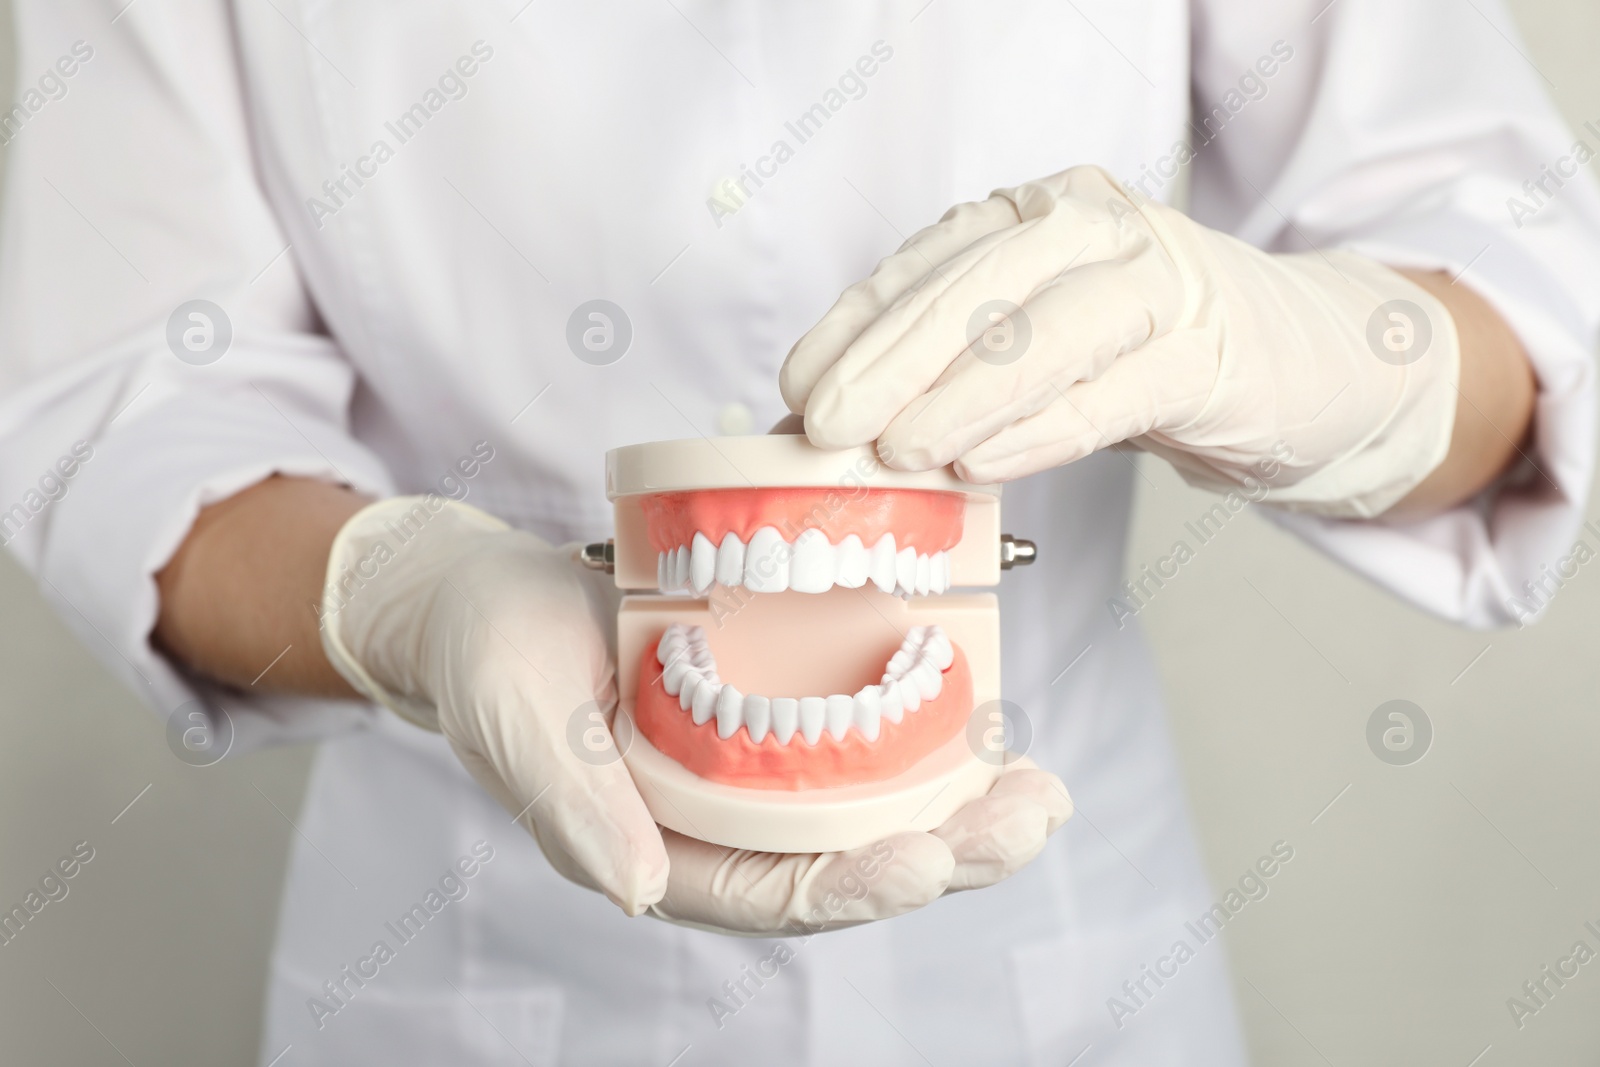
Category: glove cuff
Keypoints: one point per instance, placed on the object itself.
(368, 542)
(1408, 334)
(1367, 338)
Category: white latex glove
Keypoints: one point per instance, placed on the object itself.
(763, 893)
(1137, 324)
(498, 640)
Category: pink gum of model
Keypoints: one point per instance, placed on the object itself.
(928, 521)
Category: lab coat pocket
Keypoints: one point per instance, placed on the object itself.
(484, 1025)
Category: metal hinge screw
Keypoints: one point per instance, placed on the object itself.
(600, 556)
(1015, 552)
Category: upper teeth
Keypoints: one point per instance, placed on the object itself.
(811, 564)
(913, 674)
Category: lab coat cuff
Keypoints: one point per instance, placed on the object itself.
(131, 508)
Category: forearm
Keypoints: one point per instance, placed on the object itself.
(1494, 409)
(240, 590)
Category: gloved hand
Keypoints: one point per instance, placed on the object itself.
(491, 637)
(765, 893)
(1136, 324)
(496, 639)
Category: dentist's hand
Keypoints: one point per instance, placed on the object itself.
(769, 894)
(1328, 376)
(492, 637)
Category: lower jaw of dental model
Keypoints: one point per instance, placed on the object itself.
(808, 540)
(688, 713)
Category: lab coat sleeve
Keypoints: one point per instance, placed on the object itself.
(1411, 133)
(131, 190)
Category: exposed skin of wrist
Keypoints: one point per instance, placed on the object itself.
(1494, 411)
(241, 587)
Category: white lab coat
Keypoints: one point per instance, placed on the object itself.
(377, 343)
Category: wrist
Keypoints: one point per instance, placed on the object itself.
(1376, 392)
(237, 598)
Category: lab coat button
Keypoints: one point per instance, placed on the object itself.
(735, 419)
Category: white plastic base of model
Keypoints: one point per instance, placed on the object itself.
(812, 820)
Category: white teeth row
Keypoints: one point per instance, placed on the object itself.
(811, 564)
(913, 674)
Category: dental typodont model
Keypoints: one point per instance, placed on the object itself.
(804, 680)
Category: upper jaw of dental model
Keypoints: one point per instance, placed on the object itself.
(772, 539)
(914, 674)
(810, 564)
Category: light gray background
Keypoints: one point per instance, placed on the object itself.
(1415, 906)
